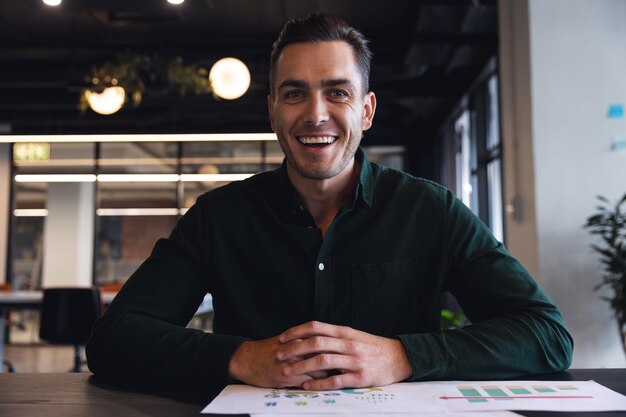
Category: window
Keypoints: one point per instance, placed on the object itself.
(478, 155)
(30, 203)
(472, 165)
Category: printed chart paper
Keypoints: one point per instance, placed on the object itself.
(446, 414)
(422, 397)
(242, 399)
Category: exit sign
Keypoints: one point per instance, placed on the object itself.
(31, 151)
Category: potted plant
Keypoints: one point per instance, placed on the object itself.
(609, 223)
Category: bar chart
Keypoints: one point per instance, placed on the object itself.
(505, 392)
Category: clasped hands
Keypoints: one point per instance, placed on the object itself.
(320, 356)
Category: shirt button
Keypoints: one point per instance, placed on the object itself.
(321, 266)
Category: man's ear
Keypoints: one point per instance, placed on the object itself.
(270, 112)
(369, 108)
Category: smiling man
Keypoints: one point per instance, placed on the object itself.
(327, 272)
(319, 108)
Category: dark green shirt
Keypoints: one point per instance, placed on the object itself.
(381, 267)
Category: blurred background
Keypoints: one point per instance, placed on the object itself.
(116, 115)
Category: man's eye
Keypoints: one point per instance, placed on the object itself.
(293, 94)
(339, 93)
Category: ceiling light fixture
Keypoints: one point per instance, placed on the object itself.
(130, 177)
(167, 137)
(137, 212)
(214, 177)
(55, 178)
(109, 101)
(175, 1)
(229, 78)
(138, 177)
(52, 2)
(30, 212)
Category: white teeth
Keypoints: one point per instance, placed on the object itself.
(308, 140)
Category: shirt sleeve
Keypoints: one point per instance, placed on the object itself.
(142, 334)
(516, 329)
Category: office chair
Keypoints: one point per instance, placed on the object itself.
(67, 315)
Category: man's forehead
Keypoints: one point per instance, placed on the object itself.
(325, 45)
(302, 50)
(327, 59)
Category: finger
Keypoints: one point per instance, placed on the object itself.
(312, 346)
(334, 382)
(318, 374)
(321, 362)
(313, 328)
(292, 381)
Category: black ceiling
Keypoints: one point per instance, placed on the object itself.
(426, 55)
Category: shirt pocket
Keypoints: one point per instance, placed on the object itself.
(385, 297)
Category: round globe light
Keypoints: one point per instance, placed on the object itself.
(108, 101)
(175, 1)
(229, 78)
(52, 2)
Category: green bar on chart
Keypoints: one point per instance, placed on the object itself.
(495, 391)
(471, 392)
(543, 388)
(518, 390)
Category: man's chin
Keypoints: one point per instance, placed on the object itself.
(317, 175)
(314, 173)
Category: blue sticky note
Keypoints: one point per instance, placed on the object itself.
(619, 143)
(616, 111)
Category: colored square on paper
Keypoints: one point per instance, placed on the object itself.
(518, 390)
(471, 392)
(616, 111)
(543, 388)
(566, 387)
(495, 391)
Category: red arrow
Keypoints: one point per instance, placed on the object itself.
(516, 396)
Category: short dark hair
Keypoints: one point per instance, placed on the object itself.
(320, 27)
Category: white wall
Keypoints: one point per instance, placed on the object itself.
(577, 61)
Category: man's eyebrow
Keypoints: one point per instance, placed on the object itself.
(293, 83)
(324, 84)
(336, 82)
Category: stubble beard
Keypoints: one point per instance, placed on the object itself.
(322, 174)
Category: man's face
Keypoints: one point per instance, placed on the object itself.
(318, 109)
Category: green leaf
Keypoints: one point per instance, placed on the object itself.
(447, 314)
(609, 224)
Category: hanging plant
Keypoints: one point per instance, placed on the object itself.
(141, 74)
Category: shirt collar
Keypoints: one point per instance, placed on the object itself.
(290, 200)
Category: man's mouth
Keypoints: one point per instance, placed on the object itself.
(316, 141)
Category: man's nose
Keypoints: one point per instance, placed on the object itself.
(316, 111)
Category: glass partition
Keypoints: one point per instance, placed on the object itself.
(141, 190)
(29, 202)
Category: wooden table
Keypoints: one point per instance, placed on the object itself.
(68, 395)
